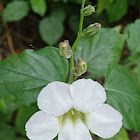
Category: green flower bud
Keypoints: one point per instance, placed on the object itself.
(91, 29)
(81, 67)
(65, 49)
(88, 10)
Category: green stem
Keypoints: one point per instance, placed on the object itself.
(71, 69)
(75, 43)
(81, 17)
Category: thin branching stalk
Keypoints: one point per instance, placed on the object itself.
(76, 42)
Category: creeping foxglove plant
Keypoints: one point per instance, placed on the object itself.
(70, 111)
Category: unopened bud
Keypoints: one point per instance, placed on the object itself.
(81, 67)
(65, 49)
(88, 10)
(91, 29)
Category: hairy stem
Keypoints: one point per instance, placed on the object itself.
(76, 42)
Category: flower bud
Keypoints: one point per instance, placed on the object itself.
(91, 29)
(65, 49)
(81, 67)
(88, 10)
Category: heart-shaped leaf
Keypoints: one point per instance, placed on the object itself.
(26, 74)
(100, 50)
(123, 93)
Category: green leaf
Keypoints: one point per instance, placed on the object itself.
(6, 132)
(101, 50)
(39, 6)
(56, 138)
(16, 10)
(8, 105)
(122, 135)
(58, 12)
(123, 93)
(103, 4)
(134, 3)
(51, 29)
(74, 23)
(26, 74)
(65, 1)
(117, 10)
(138, 69)
(23, 117)
(3, 90)
(79, 1)
(133, 41)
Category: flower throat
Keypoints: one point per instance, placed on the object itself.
(72, 115)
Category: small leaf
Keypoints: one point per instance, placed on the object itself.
(39, 6)
(74, 23)
(51, 29)
(122, 135)
(59, 13)
(26, 74)
(16, 10)
(79, 1)
(103, 4)
(117, 10)
(123, 93)
(100, 50)
(133, 41)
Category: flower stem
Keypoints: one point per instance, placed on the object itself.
(75, 43)
(81, 17)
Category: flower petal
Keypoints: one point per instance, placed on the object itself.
(87, 95)
(74, 131)
(105, 121)
(42, 126)
(55, 98)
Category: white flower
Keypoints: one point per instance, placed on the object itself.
(73, 110)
